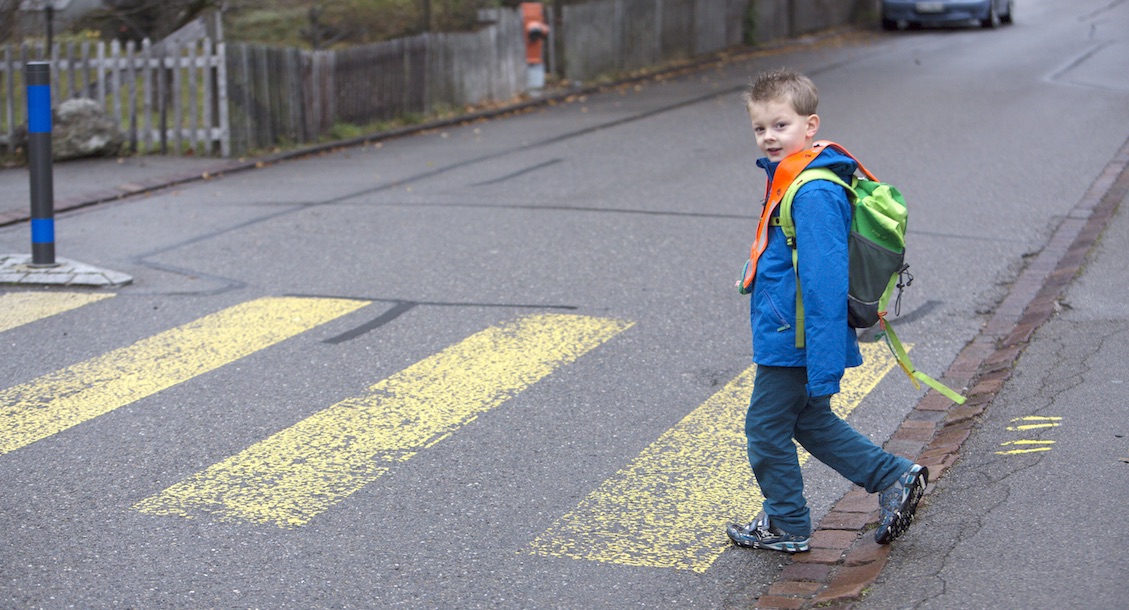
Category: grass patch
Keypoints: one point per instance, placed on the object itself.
(345, 23)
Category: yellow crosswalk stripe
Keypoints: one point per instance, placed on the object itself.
(68, 397)
(19, 308)
(289, 478)
(669, 506)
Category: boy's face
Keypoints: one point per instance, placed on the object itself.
(780, 130)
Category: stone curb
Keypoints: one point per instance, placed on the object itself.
(845, 560)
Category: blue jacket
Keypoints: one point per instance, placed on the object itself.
(822, 215)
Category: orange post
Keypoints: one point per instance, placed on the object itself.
(533, 20)
(536, 32)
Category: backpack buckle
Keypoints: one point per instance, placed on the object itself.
(905, 278)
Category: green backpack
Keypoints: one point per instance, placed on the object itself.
(876, 252)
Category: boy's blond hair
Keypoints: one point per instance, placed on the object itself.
(783, 85)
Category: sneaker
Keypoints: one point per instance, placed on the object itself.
(760, 534)
(898, 502)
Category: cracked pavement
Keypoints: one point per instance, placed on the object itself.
(1032, 515)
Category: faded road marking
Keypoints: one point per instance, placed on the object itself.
(289, 478)
(668, 508)
(19, 308)
(68, 397)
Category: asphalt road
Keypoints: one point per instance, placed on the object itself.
(591, 246)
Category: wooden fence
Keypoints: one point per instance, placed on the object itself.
(610, 36)
(168, 97)
(290, 95)
(781, 19)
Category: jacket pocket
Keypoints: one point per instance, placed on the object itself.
(782, 323)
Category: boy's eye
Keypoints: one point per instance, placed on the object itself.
(781, 125)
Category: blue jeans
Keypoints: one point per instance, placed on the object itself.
(780, 410)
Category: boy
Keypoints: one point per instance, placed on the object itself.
(792, 392)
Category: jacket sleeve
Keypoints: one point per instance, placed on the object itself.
(822, 215)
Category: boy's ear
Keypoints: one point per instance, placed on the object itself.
(813, 126)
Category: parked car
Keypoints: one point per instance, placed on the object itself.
(907, 13)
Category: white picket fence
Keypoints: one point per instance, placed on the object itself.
(168, 97)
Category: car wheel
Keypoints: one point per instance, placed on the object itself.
(889, 24)
(993, 20)
(1006, 17)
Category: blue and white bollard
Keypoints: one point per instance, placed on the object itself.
(38, 79)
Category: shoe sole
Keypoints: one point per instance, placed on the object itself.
(908, 509)
(784, 547)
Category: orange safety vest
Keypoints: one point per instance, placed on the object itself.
(785, 173)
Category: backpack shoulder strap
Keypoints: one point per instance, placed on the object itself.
(816, 173)
(788, 226)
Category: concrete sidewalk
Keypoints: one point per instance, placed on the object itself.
(82, 183)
